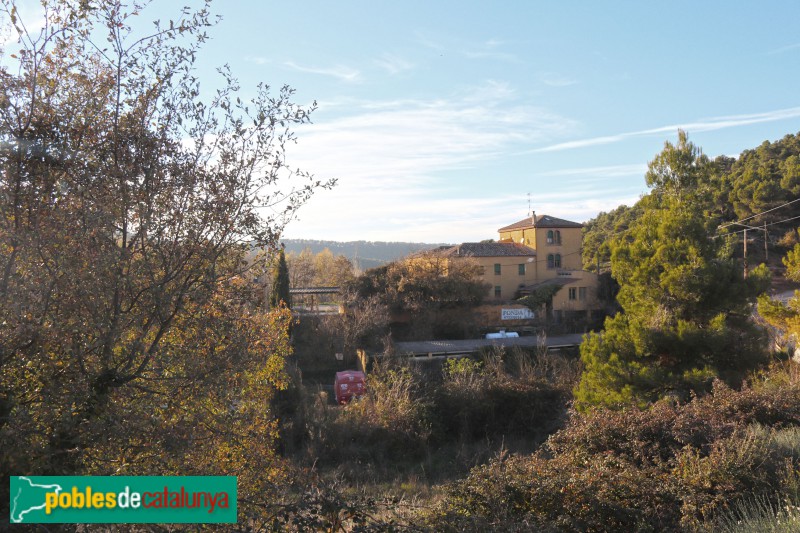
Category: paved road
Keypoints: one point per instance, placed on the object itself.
(471, 345)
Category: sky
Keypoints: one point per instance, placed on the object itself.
(445, 120)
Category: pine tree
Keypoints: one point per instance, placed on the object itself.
(685, 300)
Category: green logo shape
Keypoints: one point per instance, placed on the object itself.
(123, 499)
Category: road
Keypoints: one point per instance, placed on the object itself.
(473, 345)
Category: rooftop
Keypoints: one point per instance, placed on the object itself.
(488, 249)
(542, 221)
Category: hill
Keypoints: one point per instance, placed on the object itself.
(363, 254)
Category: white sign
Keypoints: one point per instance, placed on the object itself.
(515, 314)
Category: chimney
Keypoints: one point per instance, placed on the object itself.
(533, 218)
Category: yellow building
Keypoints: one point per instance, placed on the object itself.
(532, 253)
(507, 267)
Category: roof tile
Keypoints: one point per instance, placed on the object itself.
(489, 249)
(542, 221)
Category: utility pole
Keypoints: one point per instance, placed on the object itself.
(745, 253)
(766, 241)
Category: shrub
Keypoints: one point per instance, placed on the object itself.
(760, 515)
(392, 420)
(668, 467)
(481, 399)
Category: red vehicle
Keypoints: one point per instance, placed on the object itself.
(349, 384)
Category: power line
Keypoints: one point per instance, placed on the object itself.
(755, 227)
(759, 214)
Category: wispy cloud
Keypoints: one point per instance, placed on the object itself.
(490, 49)
(710, 124)
(393, 64)
(489, 54)
(603, 172)
(341, 72)
(397, 164)
(426, 40)
(258, 60)
(783, 49)
(556, 80)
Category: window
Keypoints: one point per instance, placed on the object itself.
(497, 269)
(551, 262)
(572, 293)
(557, 237)
(521, 269)
(497, 291)
(549, 236)
(557, 261)
(581, 293)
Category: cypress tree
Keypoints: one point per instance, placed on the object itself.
(280, 283)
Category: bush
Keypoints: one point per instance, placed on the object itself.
(669, 467)
(760, 515)
(478, 400)
(391, 421)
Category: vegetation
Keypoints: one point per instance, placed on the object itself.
(427, 292)
(685, 319)
(362, 254)
(129, 341)
(785, 316)
(412, 409)
(671, 467)
(279, 293)
(133, 341)
(748, 187)
(600, 231)
(323, 269)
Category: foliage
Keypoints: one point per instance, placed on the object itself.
(323, 269)
(761, 515)
(539, 296)
(766, 177)
(129, 342)
(427, 290)
(784, 316)
(598, 232)
(423, 282)
(409, 414)
(671, 467)
(685, 301)
(364, 323)
(392, 422)
(318, 505)
(748, 187)
(501, 396)
(280, 283)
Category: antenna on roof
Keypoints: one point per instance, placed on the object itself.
(529, 204)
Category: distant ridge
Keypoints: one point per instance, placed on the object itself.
(363, 254)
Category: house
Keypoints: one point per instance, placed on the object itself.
(505, 266)
(536, 252)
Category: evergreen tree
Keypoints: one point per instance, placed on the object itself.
(280, 283)
(685, 300)
(785, 316)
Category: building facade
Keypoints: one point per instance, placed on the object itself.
(535, 252)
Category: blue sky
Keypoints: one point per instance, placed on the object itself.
(439, 118)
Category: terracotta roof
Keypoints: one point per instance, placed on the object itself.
(542, 221)
(489, 249)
